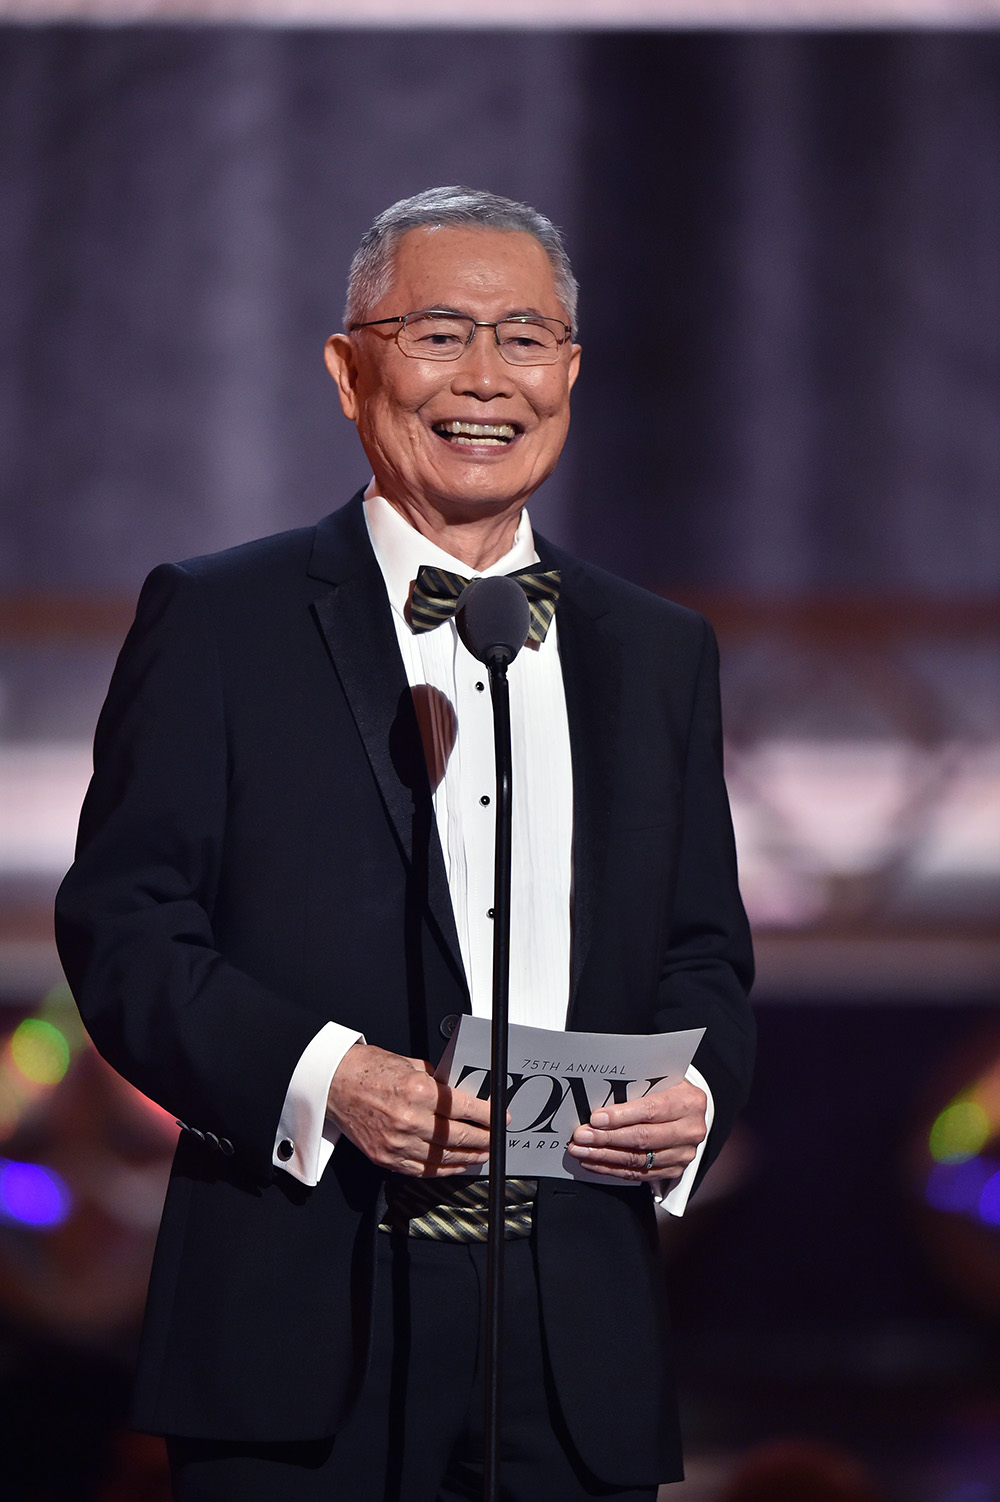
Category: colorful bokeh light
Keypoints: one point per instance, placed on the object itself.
(965, 1178)
(35, 1058)
(960, 1132)
(989, 1201)
(31, 1195)
(40, 1051)
(957, 1188)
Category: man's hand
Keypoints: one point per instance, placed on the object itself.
(669, 1124)
(402, 1118)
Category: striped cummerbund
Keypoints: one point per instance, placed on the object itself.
(455, 1209)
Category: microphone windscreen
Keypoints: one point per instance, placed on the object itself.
(493, 617)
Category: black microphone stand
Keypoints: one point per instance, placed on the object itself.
(493, 620)
(499, 691)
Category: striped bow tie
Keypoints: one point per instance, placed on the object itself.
(436, 592)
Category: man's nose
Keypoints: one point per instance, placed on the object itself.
(481, 368)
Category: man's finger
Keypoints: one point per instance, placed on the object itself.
(660, 1105)
(645, 1137)
(459, 1135)
(461, 1106)
(633, 1175)
(676, 1157)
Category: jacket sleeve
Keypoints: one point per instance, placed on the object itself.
(134, 915)
(708, 967)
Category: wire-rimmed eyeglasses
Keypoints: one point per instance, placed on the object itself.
(436, 334)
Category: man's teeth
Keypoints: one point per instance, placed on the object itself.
(477, 432)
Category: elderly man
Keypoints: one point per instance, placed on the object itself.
(282, 902)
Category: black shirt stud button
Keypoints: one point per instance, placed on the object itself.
(226, 1147)
(448, 1024)
(285, 1149)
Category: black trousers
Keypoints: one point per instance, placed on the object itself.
(416, 1434)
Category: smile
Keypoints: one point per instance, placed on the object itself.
(476, 434)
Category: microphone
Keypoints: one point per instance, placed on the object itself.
(493, 618)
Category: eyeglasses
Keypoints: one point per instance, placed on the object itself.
(437, 335)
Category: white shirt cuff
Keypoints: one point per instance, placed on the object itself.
(673, 1199)
(305, 1139)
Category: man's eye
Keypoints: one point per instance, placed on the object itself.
(438, 332)
(525, 336)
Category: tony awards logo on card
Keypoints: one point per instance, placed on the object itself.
(556, 1080)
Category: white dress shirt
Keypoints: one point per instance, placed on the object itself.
(452, 699)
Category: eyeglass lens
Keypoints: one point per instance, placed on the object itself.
(443, 336)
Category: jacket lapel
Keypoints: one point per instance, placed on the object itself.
(356, 621)
(591, 658)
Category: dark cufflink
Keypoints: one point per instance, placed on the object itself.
(448, 1024)
(285, 1149)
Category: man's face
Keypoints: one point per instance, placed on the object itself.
(412, 415)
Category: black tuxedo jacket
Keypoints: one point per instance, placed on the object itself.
(258, 853)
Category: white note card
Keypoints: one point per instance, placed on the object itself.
(555, 1080)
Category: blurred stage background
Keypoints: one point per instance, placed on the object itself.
(788, 244)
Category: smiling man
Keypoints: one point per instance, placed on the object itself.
(282, 903)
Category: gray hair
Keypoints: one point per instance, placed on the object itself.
(371, 269)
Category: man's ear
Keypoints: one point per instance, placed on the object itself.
(339, 357)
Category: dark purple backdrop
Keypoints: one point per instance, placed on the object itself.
(788, 245)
